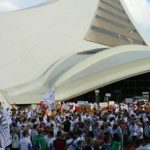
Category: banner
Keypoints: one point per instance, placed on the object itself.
(5, 128)
(105, 104)
(81, 102)
(50, 97)
(65, 107)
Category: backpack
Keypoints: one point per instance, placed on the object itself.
(36, 145)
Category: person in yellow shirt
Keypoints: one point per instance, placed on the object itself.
(147, 107)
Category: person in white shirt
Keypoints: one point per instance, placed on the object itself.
(140, 133)
(25, 142)
(133, 129)
(34, 132)
(50, 140)
(15, 141)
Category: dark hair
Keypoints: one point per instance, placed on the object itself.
(58, 133)
(102, 127)
(116, 137)
(34, 126)
(39, 131)
(51, 133)
(115, 126)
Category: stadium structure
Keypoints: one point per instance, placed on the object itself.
(75, 46)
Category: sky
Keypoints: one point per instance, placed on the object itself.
(11, 5)
(139, 9)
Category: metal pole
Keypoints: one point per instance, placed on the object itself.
(97, 97)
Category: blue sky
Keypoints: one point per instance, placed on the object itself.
(139, 9)
(10, 5)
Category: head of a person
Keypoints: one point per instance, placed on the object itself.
(25, 133)
(67, 118)
(59, 134)
(132, 123)
(39, 131)
(35, 126)
(51, 134)
(115, 126)
(102, 128)
(22, 127)
(48, 119)
(96, 144)
(140, 124)
(80, 144)
(116, 137)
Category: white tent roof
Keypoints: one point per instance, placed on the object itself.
(34, 39)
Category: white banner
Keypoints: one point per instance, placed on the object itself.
(81, 102)
(5, 128)
(105, 104)
(50, 97)
(129, 100)
(65, 107)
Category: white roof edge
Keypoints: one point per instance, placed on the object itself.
(29, 38)
(102, 78)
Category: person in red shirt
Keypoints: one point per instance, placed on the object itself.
(59, 143)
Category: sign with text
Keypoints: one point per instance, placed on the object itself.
(108, 94)
(4, 128)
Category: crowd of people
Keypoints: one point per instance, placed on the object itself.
(81, 127)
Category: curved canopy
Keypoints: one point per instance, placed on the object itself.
(103, 68)
(33, 39)
(84, 72)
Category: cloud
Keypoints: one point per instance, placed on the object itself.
(12, 5)
(6, 6)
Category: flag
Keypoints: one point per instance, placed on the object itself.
(50, 97)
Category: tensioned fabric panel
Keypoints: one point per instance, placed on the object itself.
(111, 26)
